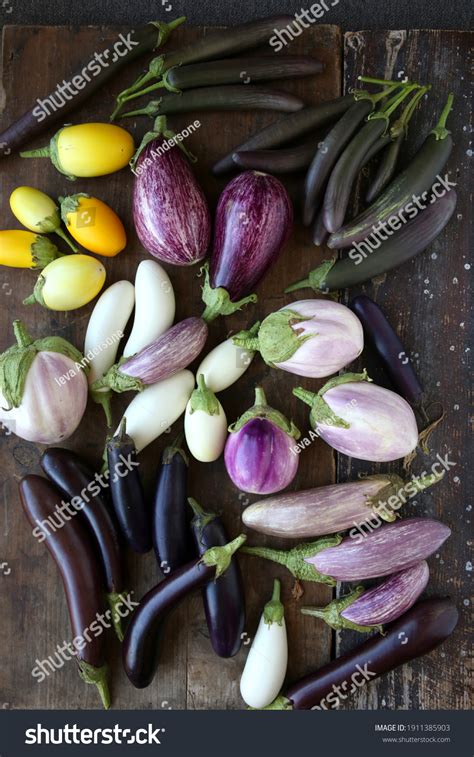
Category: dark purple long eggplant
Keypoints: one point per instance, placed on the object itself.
(140, 646)
(38, 118)
(224, 600)
(171, 533)
(416, 180)
(278, 161)
(386, 169)
(427, 625)
(381, 334)
(75, 480)
(128, 498)
(70, 547)
(288, 128)
(320, 233)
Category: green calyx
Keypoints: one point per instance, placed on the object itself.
(16, 362)
(52, 153)
(261, 410)
(152, 110)
(98, 677)
(295, 559)
(114, 601)
(43, 252)
(440, 131)
(278, 337)
(165, 30)
(274, 610)
(71, 204)
(280, 703)
(218, 300)
(37, 295)
(175, 449)
(204, 399)
(316, 279)
(220, 557)
(160, 129)
(118, 381)
(393, 485)
(321, 413)
(332, 613)
(201, 517)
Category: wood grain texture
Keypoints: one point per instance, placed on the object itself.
(32, 607)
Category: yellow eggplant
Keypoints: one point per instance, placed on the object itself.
(24, 249)
(87, 150)
(93, 224)
(68, 283)
(37, 212)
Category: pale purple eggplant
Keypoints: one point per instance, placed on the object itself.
(259, 455)
(254, 219)
(389, 549)
(368, 610)
(313, 338)
(167, 355)
(335, 508)
(361, 419)
(170, 210)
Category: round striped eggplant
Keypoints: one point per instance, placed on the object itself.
(254, 219)
(313, 338)
(361, 419)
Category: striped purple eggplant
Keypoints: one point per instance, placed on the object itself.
(259, 451)
(383, 551)
(313, 338)
(167, 355)
(361, 419)
(366, 611)
(254, 219)
(330, 509)
(170, 210)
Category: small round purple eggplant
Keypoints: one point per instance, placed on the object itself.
(361, 419)
(313, 338)
(259, 454)
(254, 219)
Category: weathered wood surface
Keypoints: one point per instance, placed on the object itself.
(32, 608)
(427, 301)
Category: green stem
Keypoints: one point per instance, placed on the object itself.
(152, 109)
(114, 601)
(332, 613)
(280, 703)
(248, 340)
(305, 395)
(152, 88)
(372, 80)
(401, 125)
(201, 517)
(260, 398)
(295, 560)
(21, 334)
(220, 557)
(218, 300)
(316, 278)
(274, 611)
(440, 131)
(392, 104)
(41, 152)
(104, 399)
(98, 677)
(65, 237)
(175, 449)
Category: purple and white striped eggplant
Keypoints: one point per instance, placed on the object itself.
(313, 338)
(167, 355)
(259, 453)
(330, 509)
(254, 219)
(381, 552)
(361, 419)
(170, 210)
(366, 611)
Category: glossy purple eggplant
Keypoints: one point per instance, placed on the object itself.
(224, 600)
(278, 161)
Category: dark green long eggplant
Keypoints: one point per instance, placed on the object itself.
(279, 161)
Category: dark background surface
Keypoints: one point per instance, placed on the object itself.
(349, 14)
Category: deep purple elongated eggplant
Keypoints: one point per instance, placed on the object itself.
(71, 548)
(427, 625)
(224, 600)
(128, 498)
(386, 169)
(334, 508)
(140, 648)
(368, 260)
(288, 128)
(254, 219)
(381, 334)
(416, 180)
(320, 233)
(384, 550)
(366, 611)
(167, 355)
(170, 210)
(75, 480)
(279, 161)
(171, 533)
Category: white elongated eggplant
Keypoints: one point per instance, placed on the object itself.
(155, 306)
(266, 665)
(205, 424)
(225, 364)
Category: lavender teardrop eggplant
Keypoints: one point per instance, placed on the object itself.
(254, 219)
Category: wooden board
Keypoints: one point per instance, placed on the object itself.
(32, 608)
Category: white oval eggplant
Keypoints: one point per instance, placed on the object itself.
(155, 306)
(224, 365)
(205, 424)
(266, 665)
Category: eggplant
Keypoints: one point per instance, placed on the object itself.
(389, 549)
(224, 365)
(71, 549)
(427, 625)
(279, 161)
(366, 611)
(254, 219)
(361, 419)
(128, 498)
(171, 533)
(416, 180)
(259, 455)
(205, 424)
(140, 652)
(335, 508)
(72, 476)
(170, 210)
(224, 600)
(386, 170)
(313, 338)
(320, 233)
